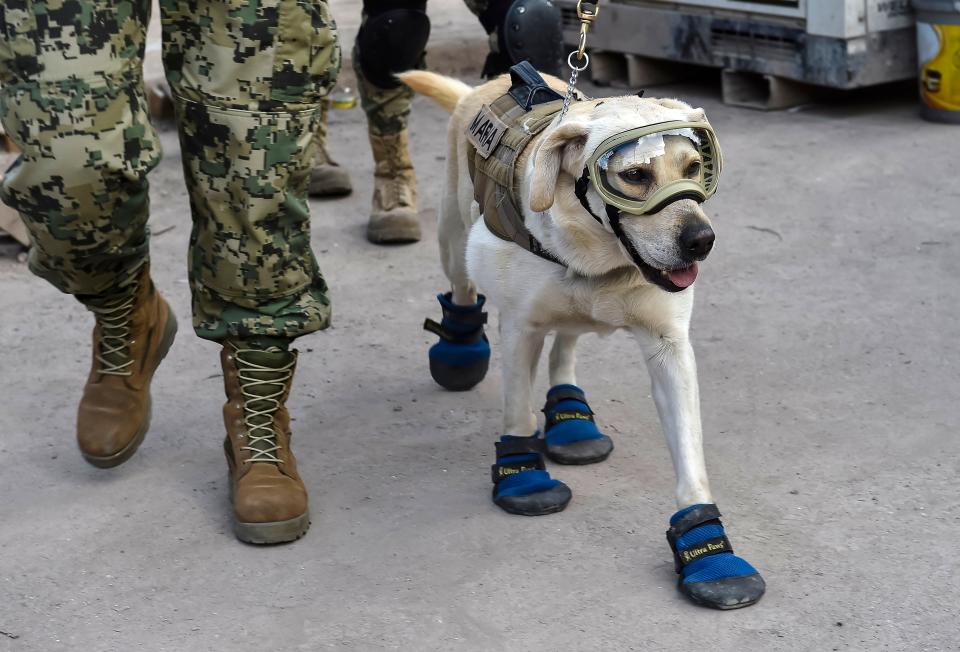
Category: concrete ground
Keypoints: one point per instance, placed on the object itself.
(827, 341)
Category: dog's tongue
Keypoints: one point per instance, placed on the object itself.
(683, 277)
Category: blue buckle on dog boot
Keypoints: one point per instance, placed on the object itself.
(710, 574)
(461, 358)
(521, 484)
(571, 435)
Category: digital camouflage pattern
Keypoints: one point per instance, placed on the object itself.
(71, 100)
(247, 76)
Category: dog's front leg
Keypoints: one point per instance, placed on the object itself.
(710, 573)
(563, 359)
(673, 373)
(521, 348)
(570, 433)
(522, 484)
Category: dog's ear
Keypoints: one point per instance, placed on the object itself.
(563, 148)
(697, 115)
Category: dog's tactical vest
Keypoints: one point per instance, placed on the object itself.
(498, 135)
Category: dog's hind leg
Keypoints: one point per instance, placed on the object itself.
(453, 229)
(710, 574)
(571, 435)
(460, 359)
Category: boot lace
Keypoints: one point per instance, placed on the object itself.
(259, 409)
(113, 350)
(395, 191)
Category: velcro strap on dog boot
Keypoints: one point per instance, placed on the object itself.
(710, 574)
(521, 484)
(571, 434)
(462, 356)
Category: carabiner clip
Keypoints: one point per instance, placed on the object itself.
(587, 13)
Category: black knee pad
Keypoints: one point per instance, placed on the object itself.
(392, 39)
(527, 30)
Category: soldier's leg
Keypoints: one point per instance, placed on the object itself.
(72, 100)
(391, 39)
(327, 178)
(248, 79)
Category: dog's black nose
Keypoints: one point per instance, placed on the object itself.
(696, 241)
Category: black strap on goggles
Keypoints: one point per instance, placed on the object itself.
(580, 188)
(613, 216)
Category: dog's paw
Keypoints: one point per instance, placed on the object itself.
(571, 435)
(462, 356)
(710, 574)
(521, 484)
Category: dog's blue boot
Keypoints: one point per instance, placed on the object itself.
(521, 484)
(461, 358)
(571, 435)
(710, 574)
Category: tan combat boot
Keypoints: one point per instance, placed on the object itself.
(394, 217)
(132, 335)
(269, 499)
(327, 178)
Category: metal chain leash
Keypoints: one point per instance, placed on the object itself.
(587, 13)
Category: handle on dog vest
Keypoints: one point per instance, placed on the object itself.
(528, 88)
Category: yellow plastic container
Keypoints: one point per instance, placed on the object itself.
(938, 54)
(342, 99)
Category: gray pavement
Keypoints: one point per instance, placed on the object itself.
(826, 331)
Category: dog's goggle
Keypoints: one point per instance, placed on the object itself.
(627, 170)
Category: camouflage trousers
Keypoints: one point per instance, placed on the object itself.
(388, 109)
(247, 76)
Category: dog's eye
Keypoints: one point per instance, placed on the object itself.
(693, 170)
(636, 176)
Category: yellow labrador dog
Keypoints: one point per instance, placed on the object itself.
(610, 199)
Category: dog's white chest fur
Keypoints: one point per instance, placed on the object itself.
(542, 294)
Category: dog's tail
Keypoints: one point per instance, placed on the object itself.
(445, 91)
